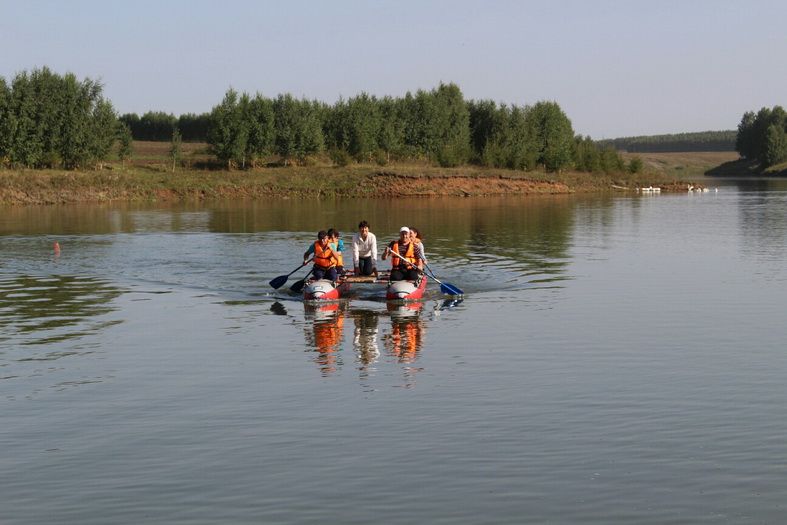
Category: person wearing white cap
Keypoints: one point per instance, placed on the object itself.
(405, 263)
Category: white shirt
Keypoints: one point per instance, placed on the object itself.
(364, 248)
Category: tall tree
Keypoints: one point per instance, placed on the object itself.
(775, 150)
(554, 135)
(228, 133)
(176, 148)
(125, 142)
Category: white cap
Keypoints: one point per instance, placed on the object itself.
(404, 229)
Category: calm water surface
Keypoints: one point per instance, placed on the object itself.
(615, 359)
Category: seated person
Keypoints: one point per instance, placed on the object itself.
(325, 260)
(405, 264)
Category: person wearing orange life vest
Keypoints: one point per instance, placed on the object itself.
(403, 252)
(337, 245)
(325, 259)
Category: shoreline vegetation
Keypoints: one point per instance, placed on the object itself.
(62, 141)
(148, 177)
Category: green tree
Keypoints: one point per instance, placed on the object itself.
(104, 122)
(298, 128)
(228, 134)
(635, 165)
(745, 142)
(6, 121)
(175, 148)
(261, 129)
(125, 142)
(775, 150)
(553, 134)
(363, 126)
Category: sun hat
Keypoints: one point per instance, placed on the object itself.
(404, 229)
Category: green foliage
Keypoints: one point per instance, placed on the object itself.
(261, 131)
(775, 145)
(339, 157)
(635, 165)
(158, 126)
(761, 137)
(175, 149)
(6, 121)
(677, 142)
(298, 128)
(125, 142)
(554, 136)
(228, 134)
(587, 155)
(49, 120)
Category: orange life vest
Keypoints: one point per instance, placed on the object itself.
(408, 255)
(335, 247)
(324, 257)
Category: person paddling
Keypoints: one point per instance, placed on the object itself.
(325, 259)
(364, 250)
(337, 245)
(402, 252)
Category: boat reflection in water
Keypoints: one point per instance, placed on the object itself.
(324, 331)
(407, 331)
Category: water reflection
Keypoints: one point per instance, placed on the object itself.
(401, 339)
(41, 310)
(324, 334)
(407, 330)
(44, 320)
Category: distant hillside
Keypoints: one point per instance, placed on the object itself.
(699, 141)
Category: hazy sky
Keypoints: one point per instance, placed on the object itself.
(617, 68)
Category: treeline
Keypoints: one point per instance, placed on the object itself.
(436, 125)
(678, 142)
(762, 136)
(49, 120)
(160, 126)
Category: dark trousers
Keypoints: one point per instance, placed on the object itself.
(365, 266)
(404, 273)
(324, 273)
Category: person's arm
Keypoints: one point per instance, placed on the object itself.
(356, 253)
(373, 242)
(307, 253)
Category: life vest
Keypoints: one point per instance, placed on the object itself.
(324, 257)
(408, 255)
(335, 247)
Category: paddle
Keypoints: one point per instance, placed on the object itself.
(297, 286)
(446, 288)
(279, 281)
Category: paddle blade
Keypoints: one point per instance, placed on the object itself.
(279, 281)
(450, 289)
(297, 286)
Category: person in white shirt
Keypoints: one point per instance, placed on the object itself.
(364, 250)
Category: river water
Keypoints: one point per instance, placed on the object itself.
(615, 359)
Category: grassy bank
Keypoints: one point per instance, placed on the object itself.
(148, 176)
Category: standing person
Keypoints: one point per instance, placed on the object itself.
(325, 260)
(415, 237)
(403, 252)
(364, 250)
(337, 244)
